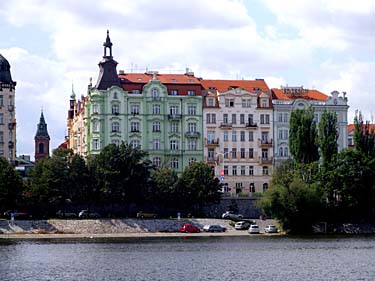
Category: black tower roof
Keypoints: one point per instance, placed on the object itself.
(5, 76)
(42, 127)
(108, 73)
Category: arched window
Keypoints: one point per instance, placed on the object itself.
(265, 186)
(281, 152)
(285, 151)
(41, 148)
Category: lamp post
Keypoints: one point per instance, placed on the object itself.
(222, 174)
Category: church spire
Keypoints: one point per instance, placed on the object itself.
(107, 45)
(41, 139)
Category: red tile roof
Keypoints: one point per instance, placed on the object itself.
(144, 78)
(282, 94)
(225, 85)
(371, 128)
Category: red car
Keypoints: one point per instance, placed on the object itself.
(189, 228)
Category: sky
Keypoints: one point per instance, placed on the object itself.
(53, 45)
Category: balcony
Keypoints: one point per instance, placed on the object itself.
(265, 143)
(192, 134)
(211, 142)
(265, 160)
(225, 125)
(174, 116)
(251, 125)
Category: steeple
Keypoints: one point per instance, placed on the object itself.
(41, 139)
(108, 73)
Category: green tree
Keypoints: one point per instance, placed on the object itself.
(327, 137)
(197, 186)
(164, 191)
(364, 136)
(302, 136)
(11, 185)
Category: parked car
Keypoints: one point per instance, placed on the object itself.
(61, 214)
(231, 215)
(17, 215)
(143, 215)
(242, 225)
(84, 214)
(254, 229)
(189, 228)
(214, 228)
(270, 229)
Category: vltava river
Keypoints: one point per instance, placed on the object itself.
(192, 258)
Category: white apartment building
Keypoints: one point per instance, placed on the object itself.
(238, 134)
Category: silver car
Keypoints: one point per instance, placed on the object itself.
(214, 228)
(242, 225)
(231, 215)
(254, 229)
(270, 229)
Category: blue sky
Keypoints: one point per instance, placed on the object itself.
(322, 44)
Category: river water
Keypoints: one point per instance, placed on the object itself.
(191, 258)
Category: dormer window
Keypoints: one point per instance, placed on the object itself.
(191, 93)
(155, 94)
(229, 102)
(210, 102)
(136, 92)
(264, 103)
(174, 92)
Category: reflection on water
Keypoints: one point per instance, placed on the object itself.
(214, 258)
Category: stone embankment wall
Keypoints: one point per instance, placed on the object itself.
(100, 226)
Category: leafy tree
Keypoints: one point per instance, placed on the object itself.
(164, 191)
(11, 185)
(364, 136)
(302, 136)
(327, 137)
(197, 186)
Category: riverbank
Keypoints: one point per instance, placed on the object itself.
(112, 228)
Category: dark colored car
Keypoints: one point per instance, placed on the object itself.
(214, 228)
(61, 214)
(189, 228)
(85, 214)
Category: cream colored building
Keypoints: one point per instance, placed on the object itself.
(7, 112)
(238, 134)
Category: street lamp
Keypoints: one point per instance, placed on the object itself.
(223, 173)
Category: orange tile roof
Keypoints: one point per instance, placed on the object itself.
(164, 78)
(280, 94)
(371, 128)
(225, 85)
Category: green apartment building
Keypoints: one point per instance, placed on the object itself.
(159, 113)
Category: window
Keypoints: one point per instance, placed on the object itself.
(211, 154)
(134, 126)
(192, 160)
(155, 94)
(192, 110)
(285, 152)
(225, 153)
(191, 92)
(156, 144)
(95, 108)
(136, 92)
(265, 170)
(234, 135)
(251, 170)
(1, 100)
(156, 161)
(116, 142)
(174, 92)
(280, 134)
(210, 118)
(225, 118)
(156, 126)
(229, 102)
(285, 117)
(156, 109)
(265, 154)
(135, 144)
(95, 126)
(41, 148)
(95, 144)
(251, 153)
(192, 127)
(265, 185)
(265, 137)
(174, 163)
(213, 118)
(242, 152)
(264, 119)
(234, 117)
(234, 153)
(234, 170)
(174, 127)
(134, 109)
(281, 152)
(192, 145)
(115, 95)
(210, 102)
(252, 187)
(251, 136)
(242, 136)
(242, 118)
(250, 119)
(280, 117)
(174, 144)
(1, 137)
(115, 109)
(246, 103)
(264, 102)
(225, 170)
(115, 127)
(173, 110)
(225, 135)
(243, 170)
